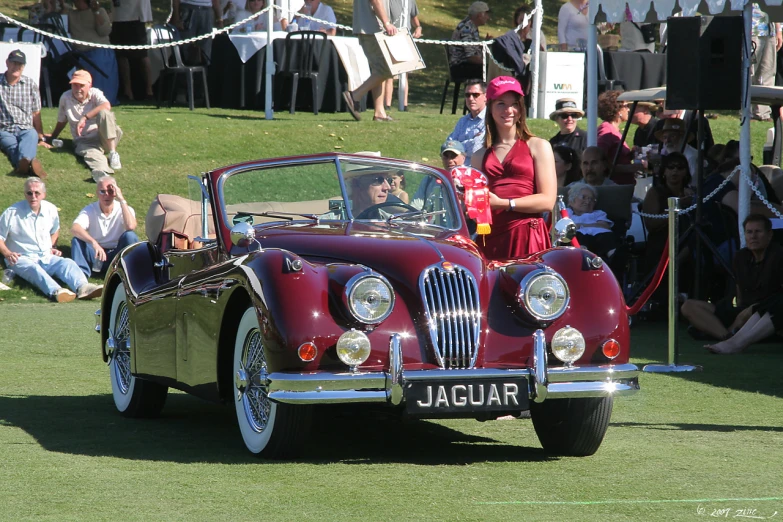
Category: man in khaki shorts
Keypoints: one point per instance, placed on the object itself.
(93, 126)
(370, 17)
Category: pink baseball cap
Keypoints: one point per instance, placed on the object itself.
(501, 85)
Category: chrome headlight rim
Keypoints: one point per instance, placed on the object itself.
(523, 295)
(351, 286)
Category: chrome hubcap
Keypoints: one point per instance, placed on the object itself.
(251, 382)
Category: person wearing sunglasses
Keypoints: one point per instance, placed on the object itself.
(471, 128)
(102, 229)
(28, 234)
(566, 114)
(614, 114)
(368, 190)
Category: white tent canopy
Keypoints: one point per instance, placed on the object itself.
(659, 10)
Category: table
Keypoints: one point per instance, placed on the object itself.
(637, 69)
(235, 63)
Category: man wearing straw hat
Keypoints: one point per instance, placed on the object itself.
(644, 118)
(672, 135)
(566, 114)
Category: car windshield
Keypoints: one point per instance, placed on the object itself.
(360, 189)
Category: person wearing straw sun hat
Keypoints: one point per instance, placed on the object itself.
(520, 169)
(565, 115)
(644, 118)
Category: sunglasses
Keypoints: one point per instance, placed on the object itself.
(676, 166)
(567, 117)
(31, 192)
(379, 180)
(473, 94)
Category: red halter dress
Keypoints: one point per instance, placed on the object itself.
(514, 234)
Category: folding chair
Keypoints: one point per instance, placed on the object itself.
(174, 66)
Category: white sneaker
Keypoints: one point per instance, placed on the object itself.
(63, 295)
(89, 291)
(114, 160)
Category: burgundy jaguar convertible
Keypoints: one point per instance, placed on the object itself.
(287, 283)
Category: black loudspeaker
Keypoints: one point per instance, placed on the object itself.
(703, 63)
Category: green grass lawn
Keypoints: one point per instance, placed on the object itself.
(686, 446)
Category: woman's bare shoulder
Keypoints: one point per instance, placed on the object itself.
(478, 158)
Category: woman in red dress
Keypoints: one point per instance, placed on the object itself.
(521, 172)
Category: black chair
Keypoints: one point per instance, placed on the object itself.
(302, 56)
(458, 81)
(174, 66)
(604, 83)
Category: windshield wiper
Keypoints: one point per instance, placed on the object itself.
(282, 215)
(415, 213)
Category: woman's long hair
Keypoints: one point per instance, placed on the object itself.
(491, 134)
(674, 157)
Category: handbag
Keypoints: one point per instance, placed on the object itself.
(648, 32)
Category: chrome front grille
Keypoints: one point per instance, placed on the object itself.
(451, 303)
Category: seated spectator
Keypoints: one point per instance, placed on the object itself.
(593, 227)
(467, 61)
(674, 180)
(567, 165)
(595, 169)
(525, 33)
(759, 285)
(92, 124)
(471, 128)
(28, 234)
(566, 114)
(692, 124)
(572, 25)
(397, 183)
(21, 129)
(258, 23)
(320, 10)
(645, 120)
(230, 9)
(452, 154)
(614, 114)
(102, 229)
(89, 22)
(672, 135)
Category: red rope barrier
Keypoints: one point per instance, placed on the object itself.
(656, 280)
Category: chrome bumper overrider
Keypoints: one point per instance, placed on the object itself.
(388, 386)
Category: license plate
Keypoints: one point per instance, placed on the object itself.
(479, 395)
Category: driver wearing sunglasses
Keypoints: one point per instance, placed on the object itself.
(566, 114)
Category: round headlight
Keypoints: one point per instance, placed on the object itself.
(370, 298)
(353, 348)
(568, 345)
(544, 295)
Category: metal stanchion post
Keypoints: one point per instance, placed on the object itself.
(674, 239)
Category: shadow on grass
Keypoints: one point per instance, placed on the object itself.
(756, 370)
(190, 430)
(715, 428)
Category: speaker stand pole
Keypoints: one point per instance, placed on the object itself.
(744, 190)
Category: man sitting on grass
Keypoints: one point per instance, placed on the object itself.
(758, 275)
(28, 233)
(93, 126)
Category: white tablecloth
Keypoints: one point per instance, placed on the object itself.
(12, 35)
(348, 49)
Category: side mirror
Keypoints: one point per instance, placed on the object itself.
(565, 230)
(242, 234)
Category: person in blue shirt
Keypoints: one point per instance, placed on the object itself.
(470, 128)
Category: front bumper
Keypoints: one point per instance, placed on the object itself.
(388, 386)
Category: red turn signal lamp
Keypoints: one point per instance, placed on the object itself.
(307, 352)
(611, 349)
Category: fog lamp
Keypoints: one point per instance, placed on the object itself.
(568, 345)
(353, 348)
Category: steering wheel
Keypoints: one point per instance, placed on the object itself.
(373, 211)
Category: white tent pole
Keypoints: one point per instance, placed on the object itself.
(270, 66)
(537, 18)
(403, 78)
(592, 82)
(744, 189)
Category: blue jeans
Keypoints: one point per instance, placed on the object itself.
(39, 273)
(84, 254)
(19, 144)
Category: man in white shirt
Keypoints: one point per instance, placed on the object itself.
(102, 229)
(321, 11)
(28, 234)
(93, 125)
